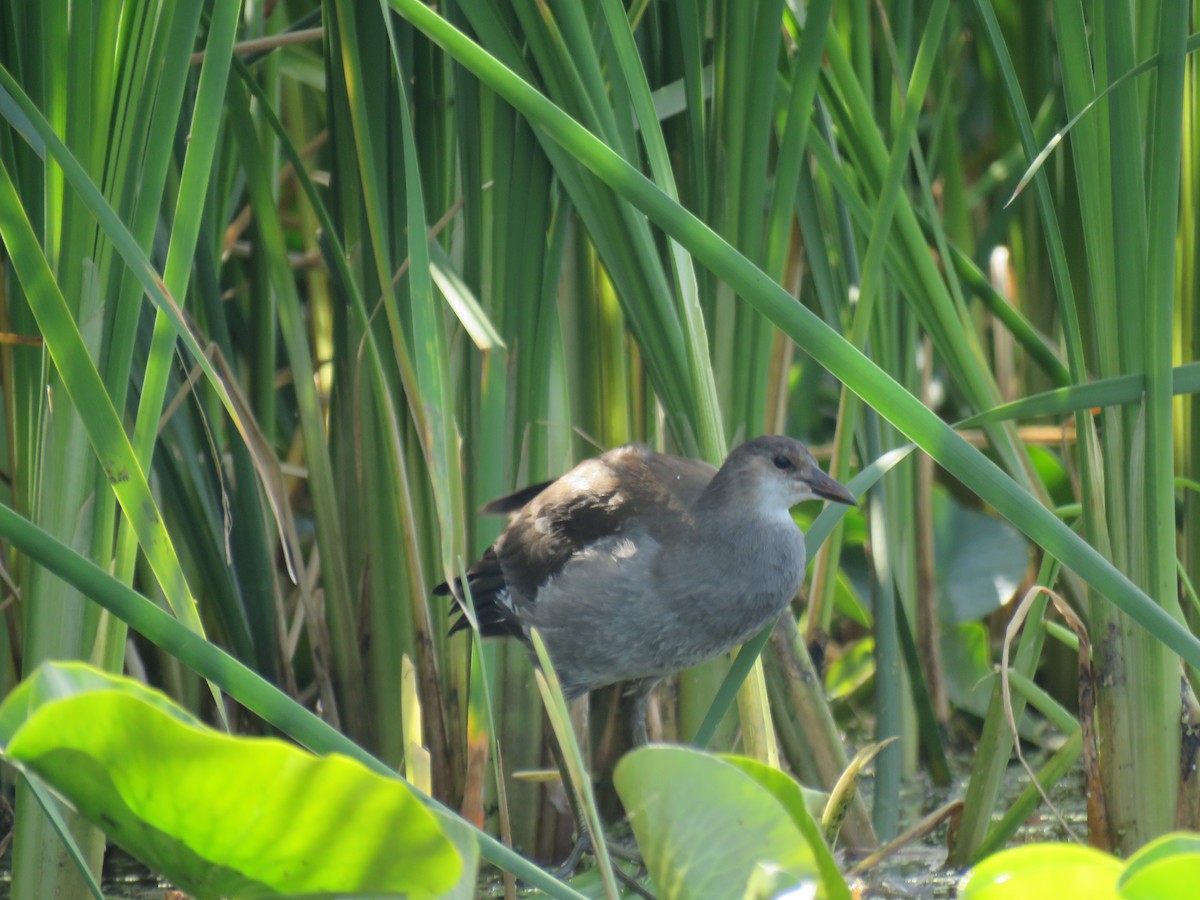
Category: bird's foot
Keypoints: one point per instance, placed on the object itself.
(567, 867)
(626, 850)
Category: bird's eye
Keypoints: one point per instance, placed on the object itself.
(782, 462)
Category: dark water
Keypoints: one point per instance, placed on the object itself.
(919, 870)
(124, 878)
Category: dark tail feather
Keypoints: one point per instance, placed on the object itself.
(511, 503)
(486, 581)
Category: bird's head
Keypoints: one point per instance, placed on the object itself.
(774, 473)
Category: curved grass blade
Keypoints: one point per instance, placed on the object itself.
(1103, 392)
(1193, 44)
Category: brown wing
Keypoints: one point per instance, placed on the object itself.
(629, 486)
(596, 499)
(684, 478)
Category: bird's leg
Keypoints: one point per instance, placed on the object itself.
(638, 693)
(581, 827)
(634, 699)
(586, 841)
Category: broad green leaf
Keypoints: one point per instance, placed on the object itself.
(1050, 871)
(1166, 867)
(1053, 474)
(967, 661)
(62, 680)
(706, 843)
(805, 806)
(222, 815)
(464, 838)
(980, 560)
(847, 603)
(850, 670)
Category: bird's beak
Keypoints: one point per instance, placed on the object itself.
(824, 486)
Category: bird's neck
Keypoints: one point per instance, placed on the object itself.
(734, 495)
(747, 556)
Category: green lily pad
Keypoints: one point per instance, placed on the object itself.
(222, 815)
(805, 806)
(967, 662)
(1043, 872)
(711, 842)
(980, 560)
(1166, 867)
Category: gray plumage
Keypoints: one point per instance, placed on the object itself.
(636, 564)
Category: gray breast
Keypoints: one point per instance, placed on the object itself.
(627, 608)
